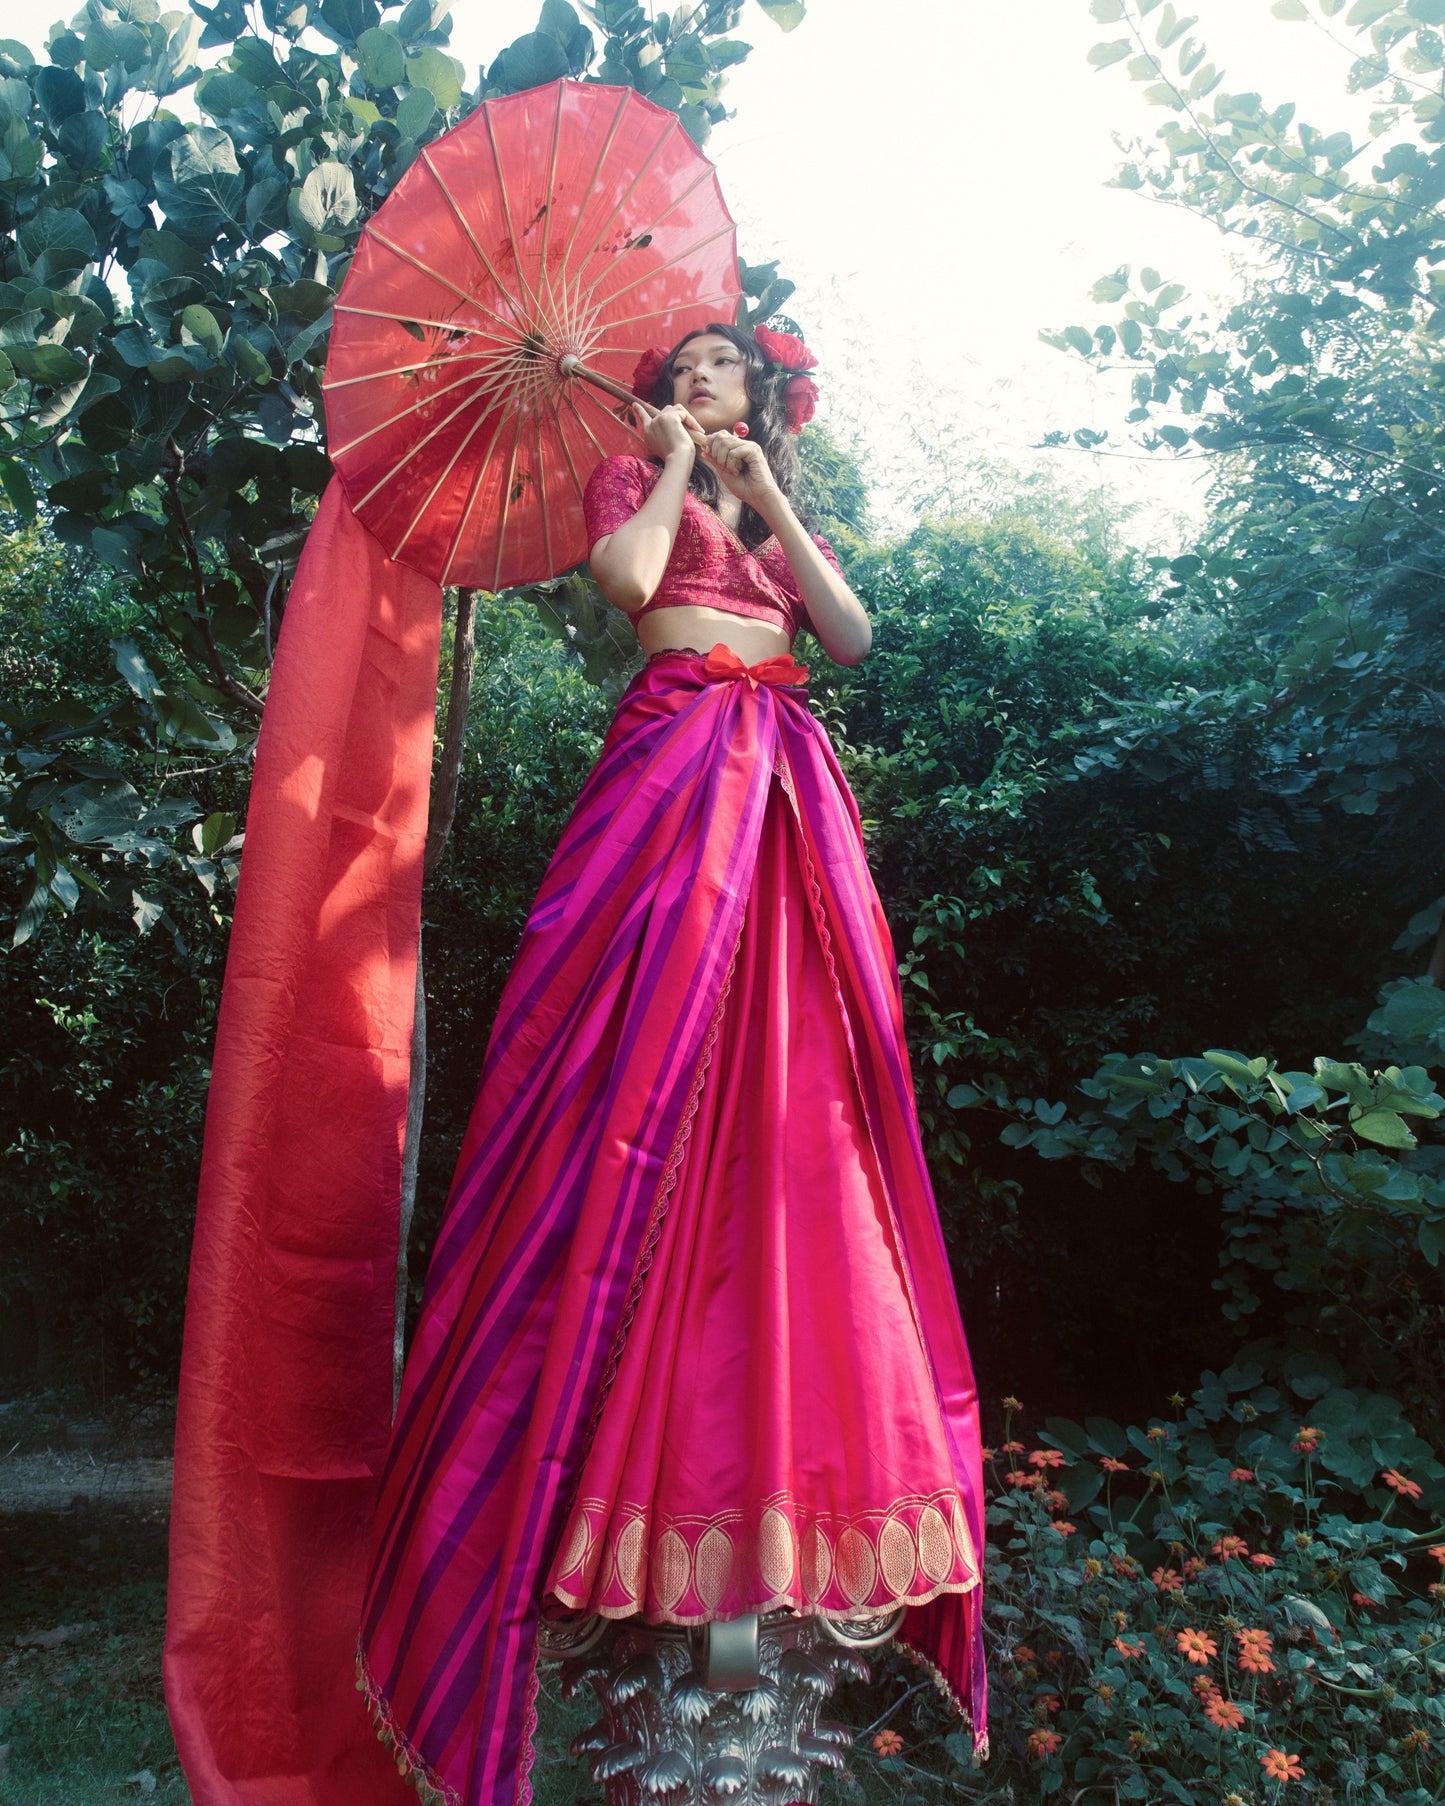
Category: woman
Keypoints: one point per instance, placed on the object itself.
(688, 1346)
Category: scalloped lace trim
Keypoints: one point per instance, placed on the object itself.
(411, 1765)
(950, 1696)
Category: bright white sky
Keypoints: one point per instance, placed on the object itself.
(933, 174)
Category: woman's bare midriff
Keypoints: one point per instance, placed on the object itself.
(662, 629)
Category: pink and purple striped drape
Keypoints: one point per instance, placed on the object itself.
(590, 1082)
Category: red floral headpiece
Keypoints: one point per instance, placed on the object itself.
(787, 353)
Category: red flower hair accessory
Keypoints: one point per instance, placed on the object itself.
(793, 358)
(649, 367)
(800, 399)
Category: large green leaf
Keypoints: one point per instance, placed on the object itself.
(415, 111)
(786, 13)
(1384, 1128)
(174, 66)
(346, 21)
(381, 58)
(440, 75)
(52, 365)
(325, 202)
(56, 245)
(60, 93)
(201, 189)
(83, 139)
(527, 63)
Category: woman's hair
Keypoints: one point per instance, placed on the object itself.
(767, 425)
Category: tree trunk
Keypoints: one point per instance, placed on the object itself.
(411, 1151)
(443, 811)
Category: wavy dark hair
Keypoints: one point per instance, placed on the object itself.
(767, 425)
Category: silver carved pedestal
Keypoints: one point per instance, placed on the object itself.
(723, 1713)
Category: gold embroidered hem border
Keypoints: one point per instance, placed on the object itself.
(687, 1570)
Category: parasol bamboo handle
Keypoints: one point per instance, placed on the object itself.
(572, 365)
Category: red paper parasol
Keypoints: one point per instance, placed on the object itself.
(572, 222)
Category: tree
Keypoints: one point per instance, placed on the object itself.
(1317, 396)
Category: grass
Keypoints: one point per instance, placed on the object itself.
(83, 1716)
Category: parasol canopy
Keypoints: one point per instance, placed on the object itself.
(570, 224)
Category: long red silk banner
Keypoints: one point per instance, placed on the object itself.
(286, 1384)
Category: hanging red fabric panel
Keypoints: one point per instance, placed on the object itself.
(286, 1383)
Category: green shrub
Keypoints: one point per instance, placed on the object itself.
(1167, 1606)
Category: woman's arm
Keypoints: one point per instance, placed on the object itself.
(835, 614)
(628, 563)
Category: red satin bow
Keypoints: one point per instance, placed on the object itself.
(723, 662)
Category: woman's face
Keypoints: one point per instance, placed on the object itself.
(709, 380)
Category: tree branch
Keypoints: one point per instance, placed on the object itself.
(224, 681)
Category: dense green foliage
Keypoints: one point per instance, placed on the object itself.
(1242, 1602)
(105, 1028)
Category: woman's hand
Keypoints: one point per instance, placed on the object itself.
(743, 469)
(673, 433)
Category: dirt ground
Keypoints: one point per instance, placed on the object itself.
(61, 1479)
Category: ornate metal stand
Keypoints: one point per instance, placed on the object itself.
(724, 1713)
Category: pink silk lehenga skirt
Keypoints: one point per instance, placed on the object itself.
(689, 1346)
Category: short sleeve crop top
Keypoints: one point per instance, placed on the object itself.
(710, 566)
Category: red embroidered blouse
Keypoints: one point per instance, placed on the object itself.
(710, 566)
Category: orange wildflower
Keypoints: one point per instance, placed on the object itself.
(1198, 1645)
(1053, 1657)
(1048, 1702)
(1057, 1501)
(1307, 1440)
(1204, 1685)
(1416, 1738)
(1166, 1580)
(1063, 1528)
(1282, 1767)
(1111, 1466)
(1261, 1561)
(1023, 1653)
(1158, 1432)
(1017, 1477)
(1230, 1548)
(1363, 1599)
(1192, 1566)
(1393, 1477)
(1252, 1652)
(1241, 1473)
(1438, 1551)
(987, 1454)
(1012, 1404)
(1093, 1567)
(1223, 1712)
(1128, 1649)
(888, 1743)
(1123, 1564)
(1047, 1458)
(1043, 1743)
